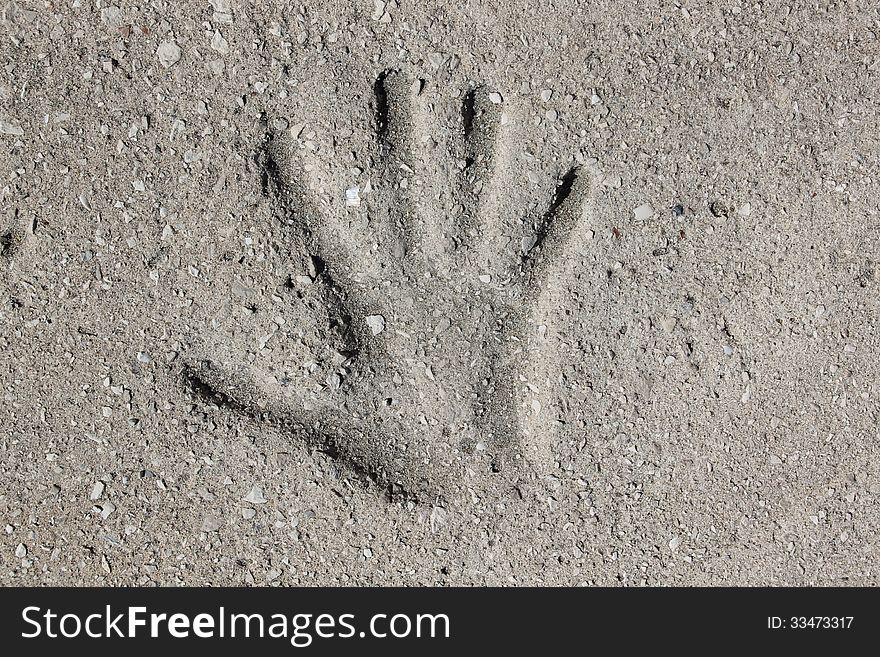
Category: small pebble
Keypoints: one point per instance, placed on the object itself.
(352, 197)
(436, 59)
(256, 496)
(97, 491)
(612, 181)
(211, 524)
(669, 324)
(169, 53)
(376, 323)
(438, 518)
(111, 16)
(644, 212)
(9, 129)
(296, 129)
(219, 44)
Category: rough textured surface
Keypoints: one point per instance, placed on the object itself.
(500, 293)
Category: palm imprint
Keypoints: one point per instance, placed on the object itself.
(401, 331)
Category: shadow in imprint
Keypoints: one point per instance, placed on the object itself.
(193, 378)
